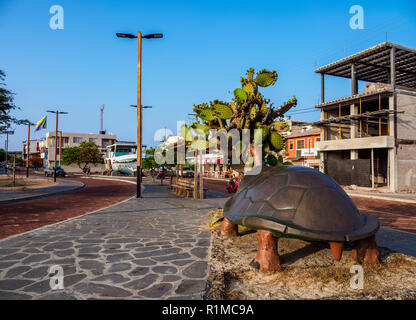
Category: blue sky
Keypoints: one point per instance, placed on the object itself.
(207, 46)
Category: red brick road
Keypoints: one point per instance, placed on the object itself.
(23, 216)
(392, 214)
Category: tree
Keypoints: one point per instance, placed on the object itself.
(149, 160)
(6, 105)
(85, 153)
(248, 110)
(3, 155)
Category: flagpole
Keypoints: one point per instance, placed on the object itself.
(28, 150)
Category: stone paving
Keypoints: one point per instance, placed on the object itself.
(149, 248)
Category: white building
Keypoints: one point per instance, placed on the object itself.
(69, 139)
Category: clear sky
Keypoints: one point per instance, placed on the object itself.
(207, 46)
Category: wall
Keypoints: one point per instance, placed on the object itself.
(73, 168)
(292, 153)
(406, 150)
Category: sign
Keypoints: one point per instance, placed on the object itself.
(312, 152)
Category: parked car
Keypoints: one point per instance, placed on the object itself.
(188, 172)
(9, 166)
(50, 170)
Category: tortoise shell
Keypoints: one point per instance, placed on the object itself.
(300, 202)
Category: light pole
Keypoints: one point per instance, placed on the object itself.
(57, 112)
(7, 143)
(141, 117)
(28, 147)
(139, 101)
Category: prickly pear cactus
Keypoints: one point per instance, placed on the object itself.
(249, 110)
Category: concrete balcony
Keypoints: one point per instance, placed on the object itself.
(356, 144)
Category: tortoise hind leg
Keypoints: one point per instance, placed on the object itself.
(267, 258)
(336, 249)
(366, 250)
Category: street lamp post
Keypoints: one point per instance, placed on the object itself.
(139, 103)
(7, 144)
(141, 140)
(28, 147)
(57, 112)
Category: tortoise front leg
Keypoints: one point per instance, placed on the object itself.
(228, 229)
(267, 258)
(336, 248)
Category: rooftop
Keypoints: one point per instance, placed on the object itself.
(373, 65)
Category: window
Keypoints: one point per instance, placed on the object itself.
(309, 143)
(317, 139)
(76, 139)
(291, 145)
(94, 140)
(64, 140)
(300, 144)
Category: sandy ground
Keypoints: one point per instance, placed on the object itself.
(309, 272)
(23, 183)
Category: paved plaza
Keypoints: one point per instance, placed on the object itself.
(149, 248)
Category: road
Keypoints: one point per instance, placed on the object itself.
(392, 214)
(18, 217)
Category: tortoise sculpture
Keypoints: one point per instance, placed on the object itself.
(298, 202)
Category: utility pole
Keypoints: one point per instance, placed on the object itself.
(14, 170)
(139, 99)
(7, 144)
(139, 162)
(57, 112)
(28, 148)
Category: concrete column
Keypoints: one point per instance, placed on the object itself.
(393, 67)
(322, 155)
(392, 156)
(354, 88)
(372, 168)
(393, 174)
(354, 131)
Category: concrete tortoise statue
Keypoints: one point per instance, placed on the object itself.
(298, 202)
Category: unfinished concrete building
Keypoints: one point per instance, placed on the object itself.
(369, 138)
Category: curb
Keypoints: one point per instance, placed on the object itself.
(80, 186)
(380, 197)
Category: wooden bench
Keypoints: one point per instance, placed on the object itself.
(185, 187)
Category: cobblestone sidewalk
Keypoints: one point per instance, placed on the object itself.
(149, 248)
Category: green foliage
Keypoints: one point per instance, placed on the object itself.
(223, 111)
(3, 155)
(206, 114)
(149, 161)
(6, 106)
(248, 110)
(197, 126)
(186, 133)
(277, 141)
(85, 153)
(240, 94)
(266, 78)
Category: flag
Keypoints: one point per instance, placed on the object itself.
(41, 124)
(37, 145)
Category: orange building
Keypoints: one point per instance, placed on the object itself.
(300, 146)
